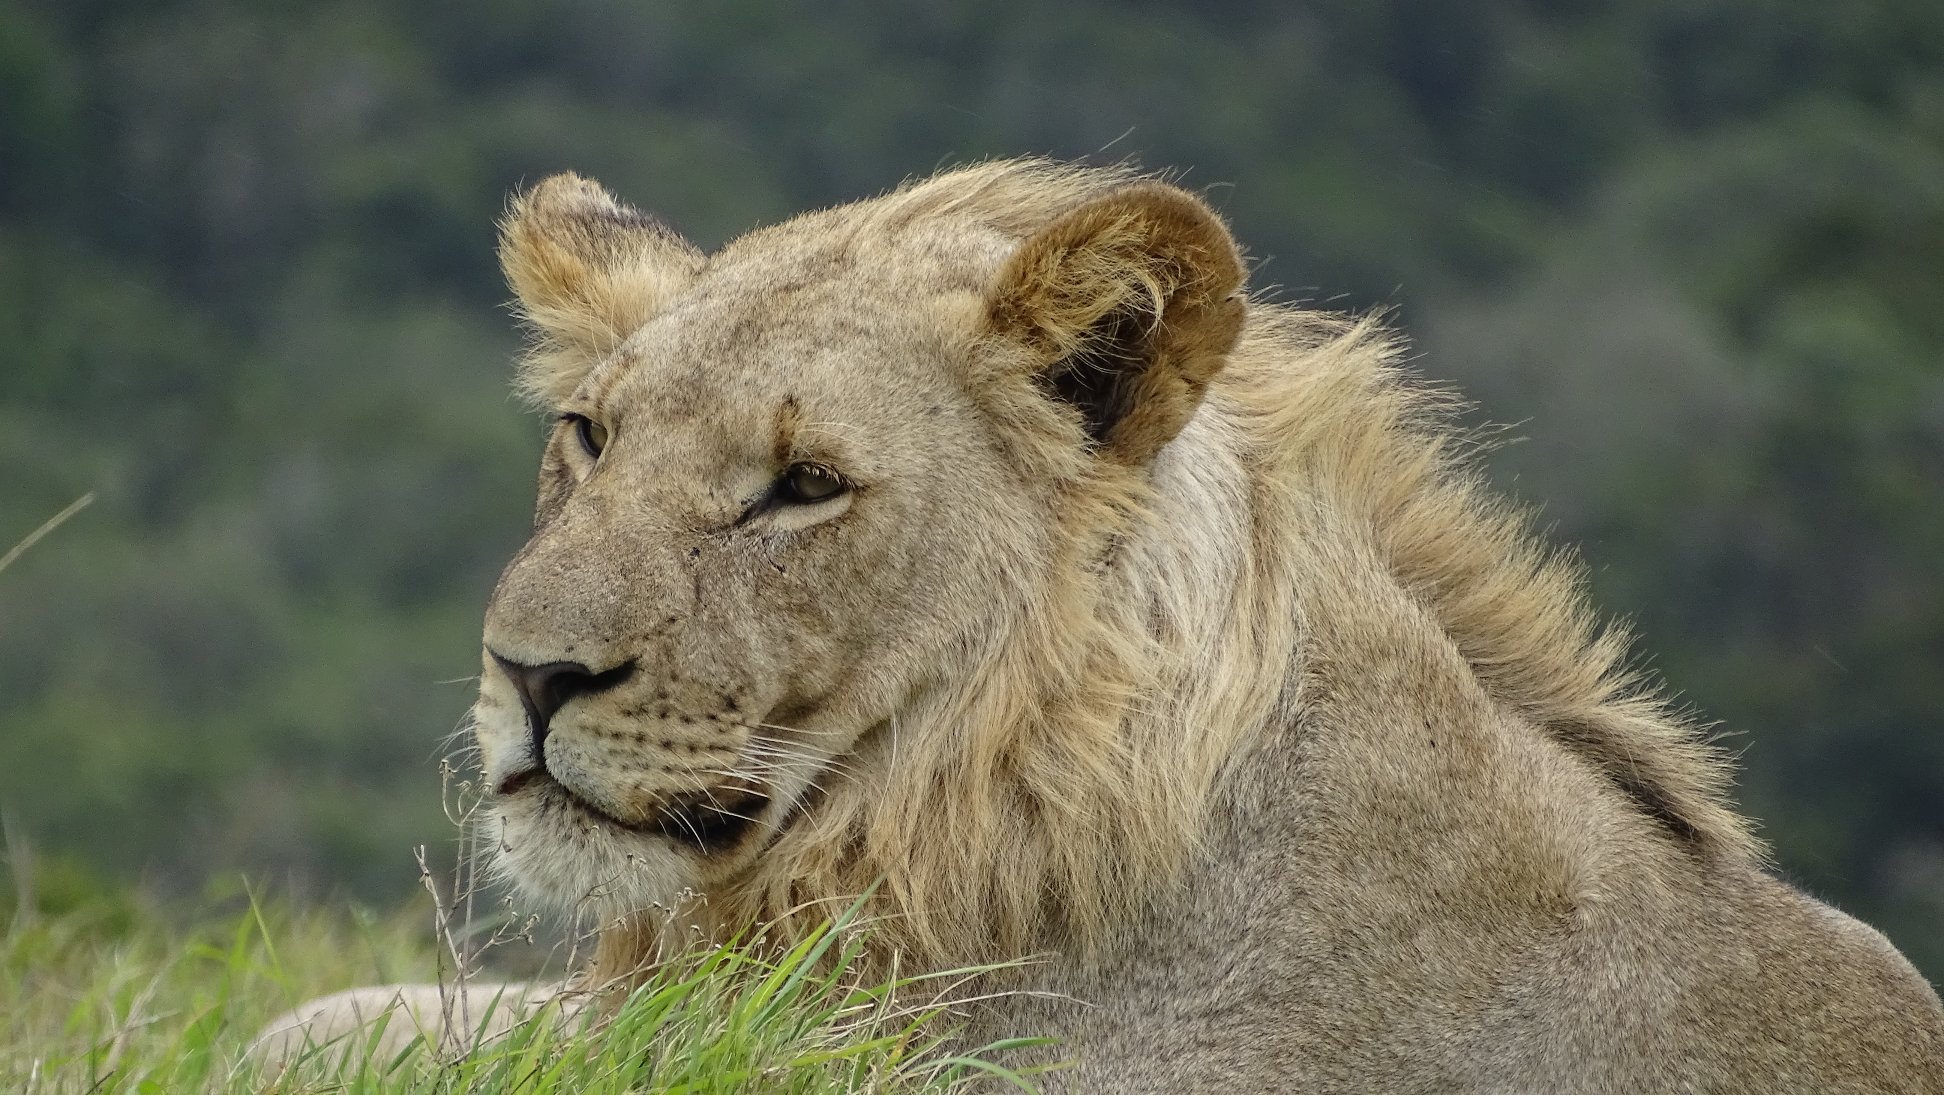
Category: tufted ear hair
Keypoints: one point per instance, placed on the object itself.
(588, 271)
(1130, 303)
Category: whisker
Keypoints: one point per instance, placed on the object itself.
(751, 774)
(681, 818)
(776, 747)
(797, 730)
(788, 760)
(770, 741)
(784, 750)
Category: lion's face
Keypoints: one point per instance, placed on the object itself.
(788, 491)
(747, 527)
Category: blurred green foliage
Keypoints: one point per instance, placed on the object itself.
(1694, 247)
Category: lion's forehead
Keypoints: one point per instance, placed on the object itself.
(833, 309)
(743, 357)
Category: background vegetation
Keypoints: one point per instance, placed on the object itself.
(1694, 248)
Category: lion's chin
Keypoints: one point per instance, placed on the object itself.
(576, 863)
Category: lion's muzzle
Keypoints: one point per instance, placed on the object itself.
(604, 761)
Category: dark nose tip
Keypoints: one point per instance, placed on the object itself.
(545, 689)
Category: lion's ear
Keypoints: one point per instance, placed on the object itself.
(1130, 304)
(588, 270)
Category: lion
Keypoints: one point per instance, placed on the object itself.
(986, 549)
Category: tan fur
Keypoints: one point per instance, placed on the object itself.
(1161, 631)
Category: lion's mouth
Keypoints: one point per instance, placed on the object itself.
(519, 781)
(711, 822)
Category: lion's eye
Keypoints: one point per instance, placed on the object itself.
(803, 484)
(592, 435)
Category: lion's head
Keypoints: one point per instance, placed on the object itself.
(825, 587)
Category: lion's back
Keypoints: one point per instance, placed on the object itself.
(1774, 993)
(1660, 971)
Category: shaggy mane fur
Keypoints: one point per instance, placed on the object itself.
(1041, 796)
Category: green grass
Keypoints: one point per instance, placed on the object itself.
(115, 994)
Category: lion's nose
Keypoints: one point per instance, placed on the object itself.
(545, 689)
